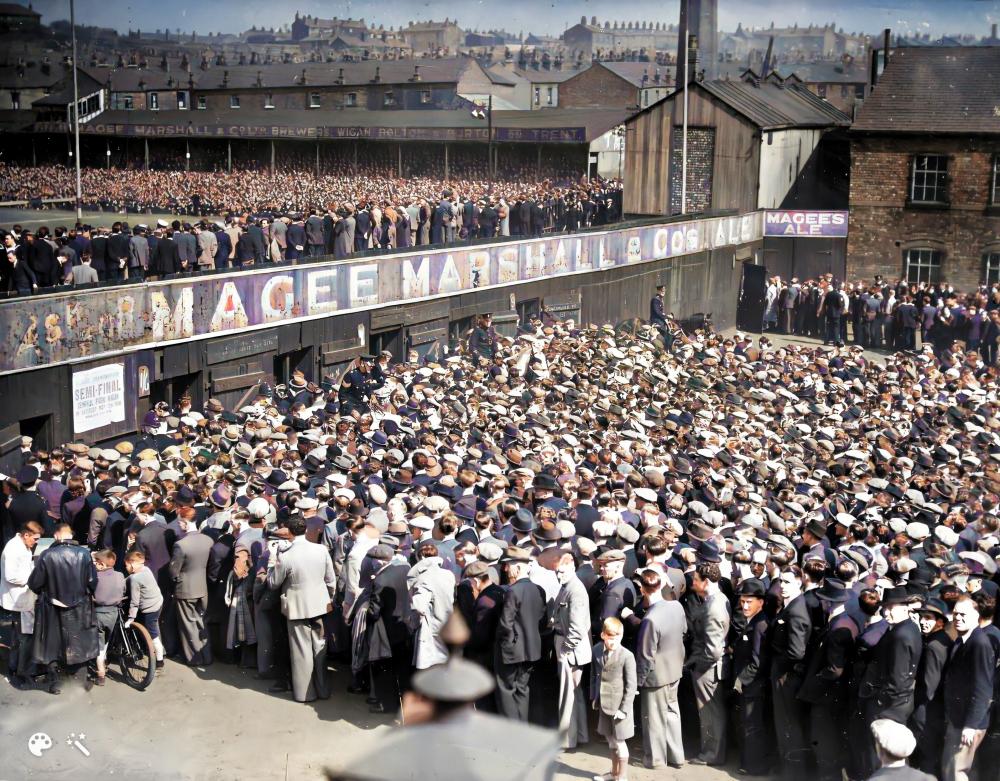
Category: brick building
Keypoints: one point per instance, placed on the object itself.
(617, 85)
(925, 169)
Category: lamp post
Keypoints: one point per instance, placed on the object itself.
(76, 113)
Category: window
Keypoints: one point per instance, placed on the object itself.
(929, 176)
(234, 101)
(995, 184)
(549, 96)
(538, 95)
(202, 104)
(922, 265)
(991, 268)
(859, 91)
(425, 96)
(821, 90)
(127, 102)
(845, 91)
(15, 99)
(269, 100)
(313, 100)
(182, 100)
(645, 97)
(389, 99)
(154, 101)
(351, 99)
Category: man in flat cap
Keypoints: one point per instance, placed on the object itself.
(894, 743)
(519, 639)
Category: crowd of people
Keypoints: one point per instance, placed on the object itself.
(118, 252)
(298, 183)
(703, 548)
(885, 315)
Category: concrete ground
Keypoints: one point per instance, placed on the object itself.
(220, 724)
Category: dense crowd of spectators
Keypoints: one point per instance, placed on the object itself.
(119, 252)
(884, 315)
(298, 182)
(781, 557)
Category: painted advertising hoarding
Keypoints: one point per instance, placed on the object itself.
(42, 330)
(797, 224)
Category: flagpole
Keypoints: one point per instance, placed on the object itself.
(76, 112)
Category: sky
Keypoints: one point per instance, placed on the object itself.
(937, 17)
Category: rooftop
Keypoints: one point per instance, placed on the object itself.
(964, 84)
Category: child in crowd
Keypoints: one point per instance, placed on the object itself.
(108, 595)
(145, 600)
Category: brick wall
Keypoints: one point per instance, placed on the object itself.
(701, 154)
(883, 226)
(597, 87)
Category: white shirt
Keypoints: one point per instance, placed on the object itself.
(15, 567)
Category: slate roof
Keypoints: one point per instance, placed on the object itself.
(773, 107)
(276, 75)
(632, 72)
(935, 90)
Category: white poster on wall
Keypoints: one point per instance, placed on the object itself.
(98, 397)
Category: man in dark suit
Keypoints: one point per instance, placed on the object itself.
(485, 617)
(968, 692)
(519, 639)
(659, 660)
(27, 505)
(246, 253)
(187, 246)
(585, 515)
(928, 712)
(165, 259)
(388, 607)
(898, 658)
(488, 219)
(188, 569)
(788, 642)
(259, 244)
(658, 317)
(223, 247)
(750, 658)
(117, 253)
(362, 229)
(537, 219)
(824, 687)
(612, 594)
(99, 260)
(441, 219)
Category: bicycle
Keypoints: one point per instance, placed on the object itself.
(131, 648)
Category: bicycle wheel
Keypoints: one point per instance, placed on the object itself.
(137, 657)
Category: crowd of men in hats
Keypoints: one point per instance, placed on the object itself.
(118, 252)
(881, 315)
(782, 557)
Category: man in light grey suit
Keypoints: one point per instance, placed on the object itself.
(659, 661)
(571, 624)
(303, 571)
(709, 627)
(83, 274)
(188, 565)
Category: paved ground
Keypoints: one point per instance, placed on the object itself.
(217, 725)
(781, 339)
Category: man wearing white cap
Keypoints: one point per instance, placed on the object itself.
(894, 743)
